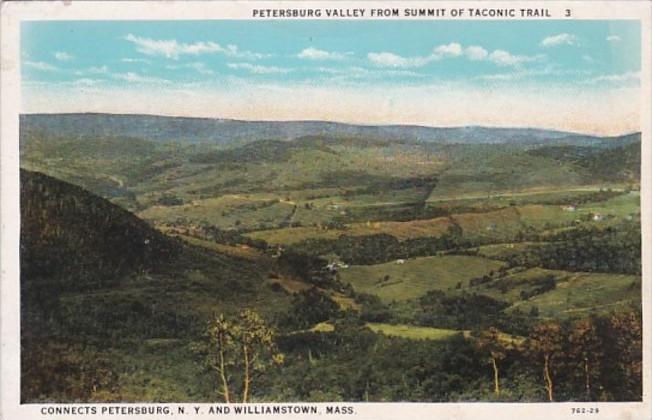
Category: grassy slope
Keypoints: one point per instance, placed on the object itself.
(579, 294)
(412, 332)
(417, 276)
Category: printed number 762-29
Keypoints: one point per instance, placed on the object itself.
(584, 410)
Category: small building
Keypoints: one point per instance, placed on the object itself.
(332, 267)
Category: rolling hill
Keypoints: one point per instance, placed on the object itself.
(226, 132)
(70, 234)
(93, 273)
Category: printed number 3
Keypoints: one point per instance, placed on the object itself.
(568, 13)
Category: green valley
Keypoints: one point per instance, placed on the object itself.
(377, 263)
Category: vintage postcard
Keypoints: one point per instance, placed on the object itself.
(364, 210)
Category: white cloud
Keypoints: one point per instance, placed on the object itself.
(93, 70)
(344, 71)
(86, 82)
(499, 77)
(135, 60)
(137, 78)
(256, 69)
(198, 66)
(476, 53)
(98, 70)
(451, 50)
(519, 73)
(559, 39)
(588, 58)
(630, 76)
(613, 38)
(504, 58)
(63, 56)
(312, 53)
(355, 72)
(40, 65)
(473, 52)
(402, 73)
(201, 68)
(233, 51)
(173, 49)
(387, 59)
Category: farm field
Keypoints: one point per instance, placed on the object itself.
(408, 279)
(412, 332)
(583, 294)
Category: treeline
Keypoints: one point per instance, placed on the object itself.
(593, 359)
(615, 249)
(230, 237)
(438, 309)
(382, 247)
(354, 364)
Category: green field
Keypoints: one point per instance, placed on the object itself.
(581, 294)
(412, 332)
(417, 276)
(621, 206)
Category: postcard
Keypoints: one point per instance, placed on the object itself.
(329, 209)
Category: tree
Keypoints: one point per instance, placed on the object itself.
(246, 346)
(310, 307)
(624, 350)
(489, 342)
(256, 340)
(220, 333)
(586, 349)
(546, 342)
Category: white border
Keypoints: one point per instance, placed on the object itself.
(13, 12)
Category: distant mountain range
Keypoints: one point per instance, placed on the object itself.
(228, 132)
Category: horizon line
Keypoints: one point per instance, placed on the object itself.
(561, 131)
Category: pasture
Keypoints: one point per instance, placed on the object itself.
(395, 281)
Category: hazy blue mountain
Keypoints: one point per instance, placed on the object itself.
(227, 132)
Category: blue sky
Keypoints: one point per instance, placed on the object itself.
(355, 71)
